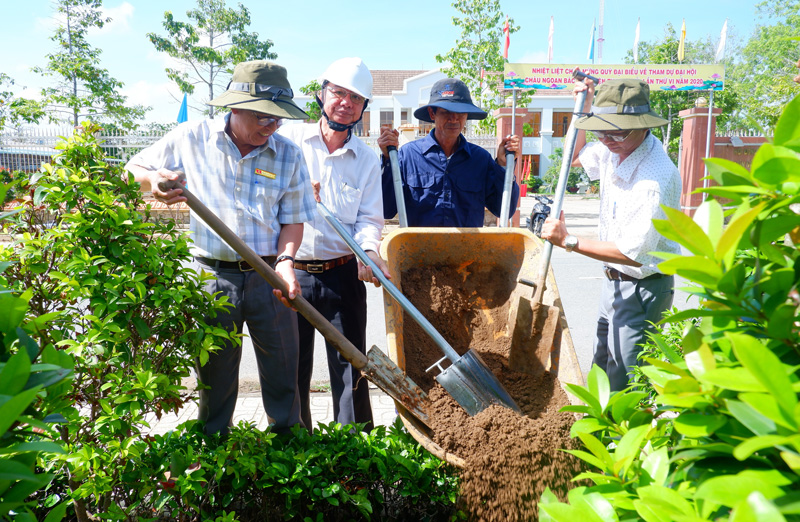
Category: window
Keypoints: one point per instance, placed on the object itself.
(362, 127)
(387, 119)
(561, 123)
(534, 122)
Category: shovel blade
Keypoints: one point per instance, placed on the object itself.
(474, 387)
(385, 374)
(536, 338)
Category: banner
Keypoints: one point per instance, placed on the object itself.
(665, 77)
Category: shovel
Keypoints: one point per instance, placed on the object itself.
(375, 366)
(466, 379)
(537, 333)
(398, 186)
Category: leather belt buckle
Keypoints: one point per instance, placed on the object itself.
(244, 266)
(609, 273)
(316, 268)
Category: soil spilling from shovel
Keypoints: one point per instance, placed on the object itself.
(510, 458)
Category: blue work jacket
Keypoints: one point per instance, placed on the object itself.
(442, 192)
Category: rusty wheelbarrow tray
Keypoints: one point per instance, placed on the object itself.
(511, 255)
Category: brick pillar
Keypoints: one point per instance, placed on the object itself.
(503, 116)
(693, 150)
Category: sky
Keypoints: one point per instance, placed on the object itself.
(309, 35)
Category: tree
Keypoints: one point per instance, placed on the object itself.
(669, 103)
(764, 75)
(13, 109)
(84, 88)
(477, 51)
(209, 46)
(312, 88)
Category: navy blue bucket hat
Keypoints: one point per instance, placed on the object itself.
(452, 95)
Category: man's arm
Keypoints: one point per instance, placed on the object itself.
(555, 231)
(288, 242)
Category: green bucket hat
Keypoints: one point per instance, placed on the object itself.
(260, 86)
(621, 105)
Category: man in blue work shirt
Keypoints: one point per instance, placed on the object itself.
(447, 181)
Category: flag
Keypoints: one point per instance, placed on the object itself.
(636, 43)
(722, 37)
(183, 113)
(681, 50)
(550, 43)
(508, 39)
(590, 55)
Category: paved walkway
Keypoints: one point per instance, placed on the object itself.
(582, 212)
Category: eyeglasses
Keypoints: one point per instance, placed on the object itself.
(341, 94)
(265, 121)
(619, 138)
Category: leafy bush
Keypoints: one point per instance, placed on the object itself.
(534, 182)
(110, 288)
(550, 178)
(333, 474)
(34, 384)
(723, 440)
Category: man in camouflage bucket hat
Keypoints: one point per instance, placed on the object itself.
(257, 183)
(636, 179)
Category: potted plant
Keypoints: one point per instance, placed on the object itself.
(534, 182)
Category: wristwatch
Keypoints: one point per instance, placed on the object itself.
(570, 242)
(284, 257)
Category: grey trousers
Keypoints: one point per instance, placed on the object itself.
(626, 310)
(342, 299)
(273, 331)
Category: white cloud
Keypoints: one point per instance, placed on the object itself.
(160, 96)
(120, 17)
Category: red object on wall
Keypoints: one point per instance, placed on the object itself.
(693, 150)
(523, 190)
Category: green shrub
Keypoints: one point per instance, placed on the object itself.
(110, 288)
(723, 439)
(34, 385)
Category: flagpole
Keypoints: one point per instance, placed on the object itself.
(708, 140)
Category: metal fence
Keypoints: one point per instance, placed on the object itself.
(26, 148)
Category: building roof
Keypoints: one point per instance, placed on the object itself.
(385, 81)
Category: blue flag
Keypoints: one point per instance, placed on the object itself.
(590, 55)
(183, 114)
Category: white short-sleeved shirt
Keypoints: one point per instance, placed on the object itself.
(350, 187)
(253, 195)
(631, 195)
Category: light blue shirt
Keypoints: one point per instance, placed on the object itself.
(253, 195)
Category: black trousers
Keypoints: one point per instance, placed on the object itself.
(341, 298)
(273, 330)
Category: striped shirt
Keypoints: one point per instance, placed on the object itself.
(631, 195)
(253, 195)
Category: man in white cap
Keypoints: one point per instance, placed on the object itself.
(636, 178)
(257, 183)
(347, 174)
(447, 181)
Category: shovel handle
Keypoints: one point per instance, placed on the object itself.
(388, 286)
(398, 186)
(508, 183)
(328, 331)
(561, 188)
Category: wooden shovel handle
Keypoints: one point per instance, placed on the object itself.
(328, 331)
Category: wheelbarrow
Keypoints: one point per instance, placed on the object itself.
(509, 259)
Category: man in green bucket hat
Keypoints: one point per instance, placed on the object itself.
(636, 179)
(257, 183)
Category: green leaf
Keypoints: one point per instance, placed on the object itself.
(141, 327)
(598, 449)
(597, 381)
(750, 417)
(736, 379)
(584, 395)
(695, 268)
(700, 361)
(734, 232)
(628, 448)
(728, 490)
(766, 405)
(744, 450)
(680, 228)
(709, 217)
(656, 464)
(787, 129)
(719, 166)
(58, 513)
(696, 425)
(13, 408)
(775, 171)
(14, 310)
(15, 372)
(767, 368)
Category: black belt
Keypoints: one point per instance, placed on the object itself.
(317, 267)
(240, 265)
(615, 275)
